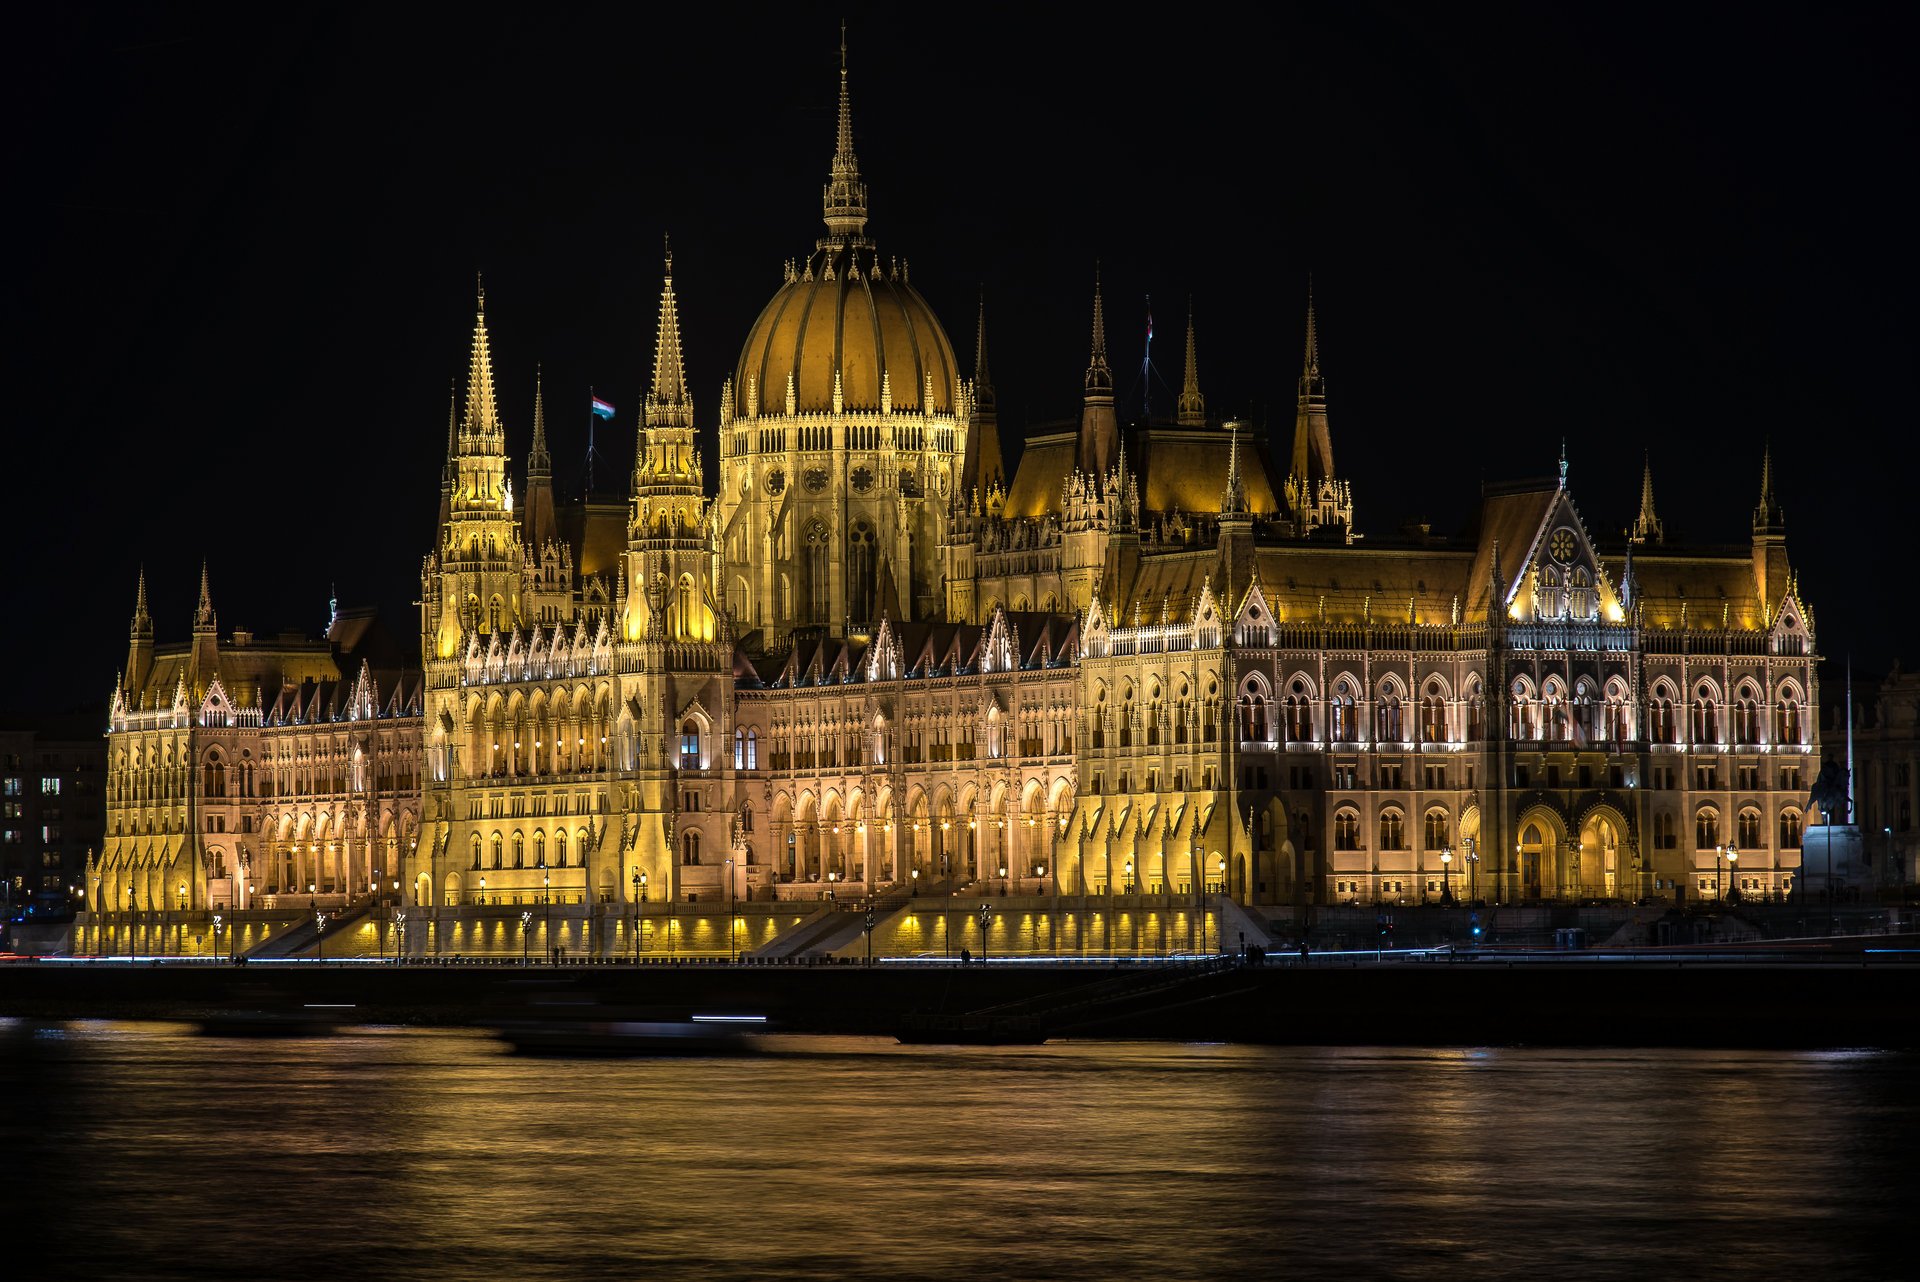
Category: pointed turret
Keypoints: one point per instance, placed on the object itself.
(845, 196)
(1233, 502)
(1771, 572)
(984, 464)
(1099, 427)
(481, 431)
(669, 543)
(1767, 516)
(1192, 409)
(1646, 526)
(140, 638)
(668, 403)
(203, 616)
(204, 659)
(541, 526)
(1312, 442)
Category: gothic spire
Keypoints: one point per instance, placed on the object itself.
(1099, 426)
(668, 404)
(1767, 517)
(1646, 526)
(845, 196)
(1234, 501)
(483, 416)
(1192, 409)
(142, 621)
(983, 465)
(203, 619)
(539, 461)
(1099, 376)
(1312, 440)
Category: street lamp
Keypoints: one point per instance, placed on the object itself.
(1733, 861)
(219, 924)
(1128, 882)
(483, 891)
(1446, 874)
(526, 927)
(1473, 871)
(986, 919)
(399, 934)
(733, 952)
(320, 934)
(1003, 881)
(546, 912)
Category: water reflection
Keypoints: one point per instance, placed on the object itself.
(436, 1155)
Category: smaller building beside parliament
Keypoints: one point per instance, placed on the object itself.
(1164, 660)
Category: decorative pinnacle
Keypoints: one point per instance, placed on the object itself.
(1768, 515)
(482, 414)
(203, 614)
(845, 197)
(1099, 376)
(1646, 526)
(669, 369)
(1192, 409)
(539, 462)
(142, 621)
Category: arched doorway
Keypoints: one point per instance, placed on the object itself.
(1534, 867)
(1597, 870)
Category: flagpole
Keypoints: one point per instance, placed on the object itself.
(591, 416)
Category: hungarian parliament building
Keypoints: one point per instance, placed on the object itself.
(861, 660)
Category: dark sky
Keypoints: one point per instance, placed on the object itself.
(244, 253)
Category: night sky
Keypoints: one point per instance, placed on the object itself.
(244, 254)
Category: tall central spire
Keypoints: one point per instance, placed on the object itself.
(1192, 409)
(1099, 427)
(483, 415)
(1312, 439)
(669, 370)
(1646, 526)
(539, 461)
(1099, 376)
(845, 196)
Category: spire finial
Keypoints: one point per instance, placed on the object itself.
(480, 292)
(1192, 409)
(1646, 526)
(845, 197)
(1767, 516)
(203, 614)
(539, 462)
(142, 621)
(1563, 462)
(1099, 376)
(483, 415)
(666, 238)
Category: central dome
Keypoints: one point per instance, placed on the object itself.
(845, 312)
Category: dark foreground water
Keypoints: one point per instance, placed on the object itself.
(142, 1150)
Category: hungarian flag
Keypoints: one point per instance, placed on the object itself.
(601, 409)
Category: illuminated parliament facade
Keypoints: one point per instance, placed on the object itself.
(861, 659)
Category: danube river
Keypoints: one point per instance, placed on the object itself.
(145, 1151)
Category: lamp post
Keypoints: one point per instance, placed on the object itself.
(986, 920)
(1040, 871)
(219, 925)
(320, 934)
(526, 929)
(483, 892)
(1446, 875)
(639, 898)
(546, 912)
(1003, 881)
(1473, 870)
(1733, 863)
(399, 935)
(733, 952)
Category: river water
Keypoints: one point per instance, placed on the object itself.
(144, 1151)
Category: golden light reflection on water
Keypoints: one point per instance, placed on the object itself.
(437, 1155)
